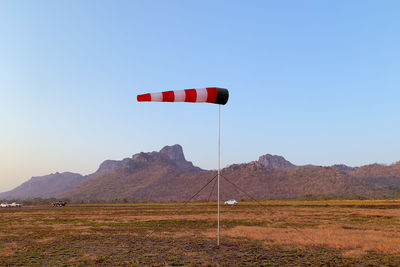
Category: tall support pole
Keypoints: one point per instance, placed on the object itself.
(219, 166)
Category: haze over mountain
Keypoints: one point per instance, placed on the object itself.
(54, 184)
(167, 176)
(45, 186)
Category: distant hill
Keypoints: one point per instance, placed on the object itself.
(154, 177)
(150, 176)
(44, 186)
(377, 170)
(299, 182)
(53, 185)
(166, 175)
(379, 175)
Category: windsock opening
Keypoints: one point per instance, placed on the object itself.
(222, 96)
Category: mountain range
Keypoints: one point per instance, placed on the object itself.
(166, 175)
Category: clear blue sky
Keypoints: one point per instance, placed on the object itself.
(315, 81)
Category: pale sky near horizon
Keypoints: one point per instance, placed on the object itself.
(314, 81)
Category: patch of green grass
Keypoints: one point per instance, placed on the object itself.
(70, 221)
(166, 225)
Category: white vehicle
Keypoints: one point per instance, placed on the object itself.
(15, 205)
(231, 202)
(4, 205)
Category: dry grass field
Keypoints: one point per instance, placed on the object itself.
(304, 233)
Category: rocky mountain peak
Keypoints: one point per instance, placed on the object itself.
(343, 168)
(108, 166)
(275, 162)
(174, 152)
(172, 155)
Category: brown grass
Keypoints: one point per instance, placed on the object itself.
(352, 240)
(8, 250)
(89, 236)
(46, 240)
(87, 257)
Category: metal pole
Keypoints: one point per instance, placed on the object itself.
(219, 162)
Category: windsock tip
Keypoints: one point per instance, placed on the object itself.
(144, 97)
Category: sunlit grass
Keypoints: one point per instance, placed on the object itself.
(280, 232)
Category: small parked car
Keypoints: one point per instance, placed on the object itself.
(15, 205)
(4, 205)
(231, 202)
(59, 204)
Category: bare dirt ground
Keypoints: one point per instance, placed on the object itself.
(303, 233)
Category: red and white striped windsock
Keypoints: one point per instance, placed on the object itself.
(213, 95)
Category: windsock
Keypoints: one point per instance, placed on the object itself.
(213, 95)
